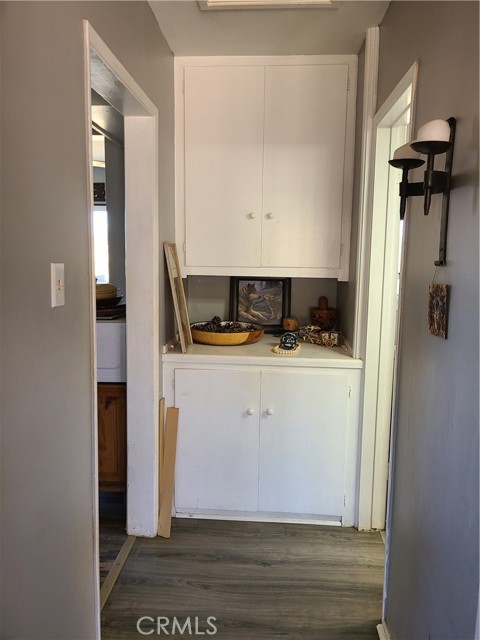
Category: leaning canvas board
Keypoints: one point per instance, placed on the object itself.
(167, 473)
(178, 293)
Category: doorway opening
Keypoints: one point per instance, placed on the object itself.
(109, 261)
(378, 325)
(392, 131)
(379, 309)
(110, 80)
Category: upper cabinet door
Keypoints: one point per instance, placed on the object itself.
(264, 165)
(305, 134)
(223, 165)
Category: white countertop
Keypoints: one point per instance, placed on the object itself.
(260, 353)
(104, 320)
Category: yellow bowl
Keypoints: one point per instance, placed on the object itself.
(226, 339)
(105, 290)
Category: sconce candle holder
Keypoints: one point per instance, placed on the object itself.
(435, 137)
(405, 159)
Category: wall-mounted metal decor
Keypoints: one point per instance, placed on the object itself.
(434, 138)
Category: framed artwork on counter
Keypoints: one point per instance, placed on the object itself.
(262, 301)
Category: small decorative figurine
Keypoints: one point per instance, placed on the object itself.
(288, 345)
(288, 341)
(313, 334)
(290, 324)
(330, 338)
(323, 316)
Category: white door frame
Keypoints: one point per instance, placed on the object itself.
(375, 307)
(107, 76)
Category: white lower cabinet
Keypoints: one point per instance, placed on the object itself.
(303, 426)
(217, 449)
(259, 442)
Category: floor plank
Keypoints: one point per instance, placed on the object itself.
(109, 582)
(259, 580)
(112, 516)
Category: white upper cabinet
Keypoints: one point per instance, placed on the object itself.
(305, 115)
(264, 162)
(223, 165)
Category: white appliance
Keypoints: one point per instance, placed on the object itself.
(111, 351)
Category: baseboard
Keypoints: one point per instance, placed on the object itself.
(383, 632)
(203, 514)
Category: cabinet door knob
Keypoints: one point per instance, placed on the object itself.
(269, 412)
(251, 215)
(270, 215)
(250, 411)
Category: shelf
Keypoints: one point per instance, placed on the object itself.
(260, 353)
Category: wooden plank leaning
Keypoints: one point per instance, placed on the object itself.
(167, 473)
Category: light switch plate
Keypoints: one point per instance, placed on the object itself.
(57, 277)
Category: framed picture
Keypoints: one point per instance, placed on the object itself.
(438, 301)
(99, 195)
(263, 301)
(179, 301)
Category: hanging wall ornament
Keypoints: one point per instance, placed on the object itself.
(438, 301)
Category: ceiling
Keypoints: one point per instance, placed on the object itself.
(106, 120)
(340, 29)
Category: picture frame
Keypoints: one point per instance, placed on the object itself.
(99, 193)
(178, 294)
(438, 308)
(262, 301)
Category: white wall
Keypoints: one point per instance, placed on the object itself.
(432, 590)
(47, 485)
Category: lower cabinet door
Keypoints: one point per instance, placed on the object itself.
(112, 437)
(303, 427)
(217, 450)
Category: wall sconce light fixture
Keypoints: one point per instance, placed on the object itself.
(405, 158)
(435, 137)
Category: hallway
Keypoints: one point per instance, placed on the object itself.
(258, 580)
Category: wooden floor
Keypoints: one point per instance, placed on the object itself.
(260, 581)
(112, 516)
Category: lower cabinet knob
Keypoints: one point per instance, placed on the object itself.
(250, 411)
(251, 215)
(269, 412)
(270, 215)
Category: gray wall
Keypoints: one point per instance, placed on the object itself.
(208, 296)
(47, 548)
(115, 189)
(98, 174)
(347, 290)
(433, 576)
